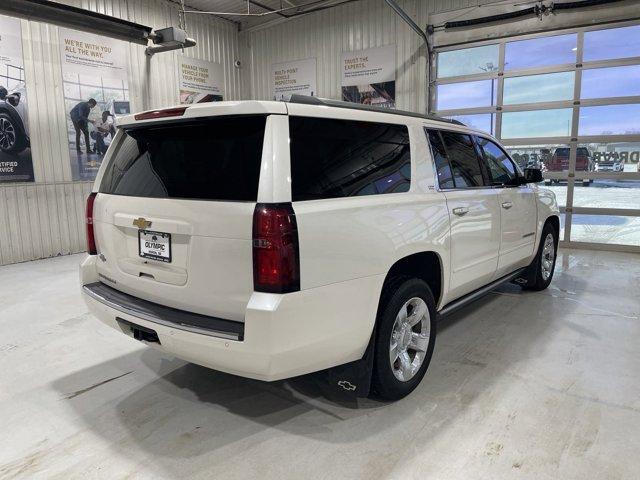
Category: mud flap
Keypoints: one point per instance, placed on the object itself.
(351, 380)
(528, 277)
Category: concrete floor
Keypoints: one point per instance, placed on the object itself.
(522, 385)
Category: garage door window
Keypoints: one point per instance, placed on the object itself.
(468, 61)
(467, 94)
(566, 102)
(610, 120)
(611, 82)
(548, 87)
(541, 52)
(612, 43)
(537, 123)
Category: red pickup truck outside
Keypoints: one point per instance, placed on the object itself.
(559, 162)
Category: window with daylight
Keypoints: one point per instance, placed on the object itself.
(565, 102)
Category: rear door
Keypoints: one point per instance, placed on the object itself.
(474, 211)
(517, 206)
(173, 217)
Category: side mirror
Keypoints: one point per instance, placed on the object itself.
(533, 175)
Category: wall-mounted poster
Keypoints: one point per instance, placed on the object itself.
(96, 91)
(200, 81)
(297, 77)
(15, 147)
(369, 76)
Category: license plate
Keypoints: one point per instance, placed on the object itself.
(154, 245)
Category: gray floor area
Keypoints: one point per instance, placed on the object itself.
(522, 385)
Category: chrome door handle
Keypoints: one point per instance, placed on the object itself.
(460, 211)
(507, 205)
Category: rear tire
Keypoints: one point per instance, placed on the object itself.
(406, 334)
(541, 269)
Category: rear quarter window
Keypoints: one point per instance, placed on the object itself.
(333, 158)
(209, 159)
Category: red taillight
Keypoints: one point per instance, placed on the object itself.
(276, 257)
(91, 237)
(167, 112)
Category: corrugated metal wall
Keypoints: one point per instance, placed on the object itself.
(354, 26)
(46, 218)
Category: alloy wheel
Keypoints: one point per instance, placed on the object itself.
(7, 134)
(409, 339)
(548, 256)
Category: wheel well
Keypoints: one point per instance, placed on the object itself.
(555, 223)
(425, 266)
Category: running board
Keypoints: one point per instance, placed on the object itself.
(456, 305)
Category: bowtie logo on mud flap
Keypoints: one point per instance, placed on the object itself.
(350, 387)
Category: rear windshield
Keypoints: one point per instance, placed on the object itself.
(212, 159)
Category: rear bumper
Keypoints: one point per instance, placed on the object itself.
(284, 335)
(160, 314)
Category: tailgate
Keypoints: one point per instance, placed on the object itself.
(173, 216)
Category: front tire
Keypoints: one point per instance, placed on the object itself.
(406, 334)
(542, 268)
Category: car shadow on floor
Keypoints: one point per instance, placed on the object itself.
(174, 410)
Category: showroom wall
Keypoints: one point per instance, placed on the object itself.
(354, 26)
(46, 218)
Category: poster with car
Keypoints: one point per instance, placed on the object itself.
(296, 77)
(200, 81)
(369, 76)
(15, 148)
(96, 92)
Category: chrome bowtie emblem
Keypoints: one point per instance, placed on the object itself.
(142, 223)
(347, 385)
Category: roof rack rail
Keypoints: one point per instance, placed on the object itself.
(308, 100)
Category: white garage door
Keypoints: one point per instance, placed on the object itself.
(569, 103)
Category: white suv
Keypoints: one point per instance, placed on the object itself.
(275, 239)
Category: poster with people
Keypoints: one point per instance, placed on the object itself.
(369, 76)
(296, 77)
(16, 164)
(96, 92)
(200, 81)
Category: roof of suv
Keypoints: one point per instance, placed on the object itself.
(307, 100)
(242, 107)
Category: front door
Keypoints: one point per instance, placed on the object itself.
(517, 205)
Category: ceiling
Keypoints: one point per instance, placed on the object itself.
(293, 8)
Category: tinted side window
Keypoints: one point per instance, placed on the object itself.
(333, 158)
(443, 168)
(467, 171)
(500, 166)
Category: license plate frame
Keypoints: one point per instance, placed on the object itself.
(166, 237)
